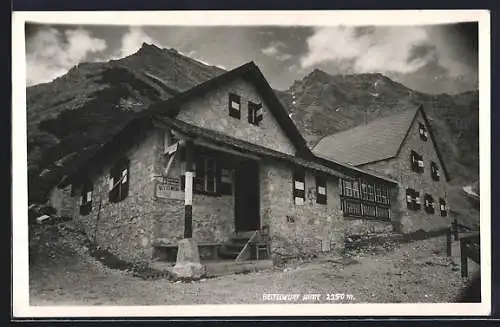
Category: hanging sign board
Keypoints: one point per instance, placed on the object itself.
(170, 189)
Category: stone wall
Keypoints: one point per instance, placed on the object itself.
(399, 168)
(125, 228)
(299, 229)
(211, 111)
(213, 216)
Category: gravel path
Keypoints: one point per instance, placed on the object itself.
(415, 272)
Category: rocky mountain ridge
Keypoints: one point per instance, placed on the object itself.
(70, 117)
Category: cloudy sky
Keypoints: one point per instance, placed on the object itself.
(431, 59)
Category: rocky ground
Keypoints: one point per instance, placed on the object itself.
(62, 272)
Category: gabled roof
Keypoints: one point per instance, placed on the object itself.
(378, 140)
(251, 73)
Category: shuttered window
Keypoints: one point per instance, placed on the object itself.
(86, 198)
(320, 190)
(442, 207)
(299, 187)
(413, 199)
(429, 204)
(417, 162)
(254, 113)
(234, 105)
(119, 181)
(422, 131)
(435, 171)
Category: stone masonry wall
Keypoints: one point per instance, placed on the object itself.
(125, 228)
(299, 229)
(211, 111)
(400, 168)
(213, 216)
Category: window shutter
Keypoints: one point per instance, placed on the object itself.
(422, 131)
(254, 112)
(299, 187)
(416, 200)
(125, 180)
(320, 190)
(119, 181)
(434, 171)
(409, 198)
(258, 113)
(251, 112)
(429, 203)
(413, 161)
(234, 105)
(86, 198)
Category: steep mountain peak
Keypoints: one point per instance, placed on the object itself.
(149, 47)
(317, 75)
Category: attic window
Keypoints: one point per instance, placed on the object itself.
(234, 105)
(443, 208)
(417, 162)
(254, 113)
(299, 187)
(119, 181)
(86, 199)
(422, 131)
(412, 199)
(434, 171)
(429, 203)
(320, 190)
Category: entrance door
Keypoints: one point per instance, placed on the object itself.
(246, 194)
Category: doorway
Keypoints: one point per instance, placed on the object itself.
(247, 196)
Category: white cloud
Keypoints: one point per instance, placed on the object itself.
(51, 53)
(378, 49)
(276, 49)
